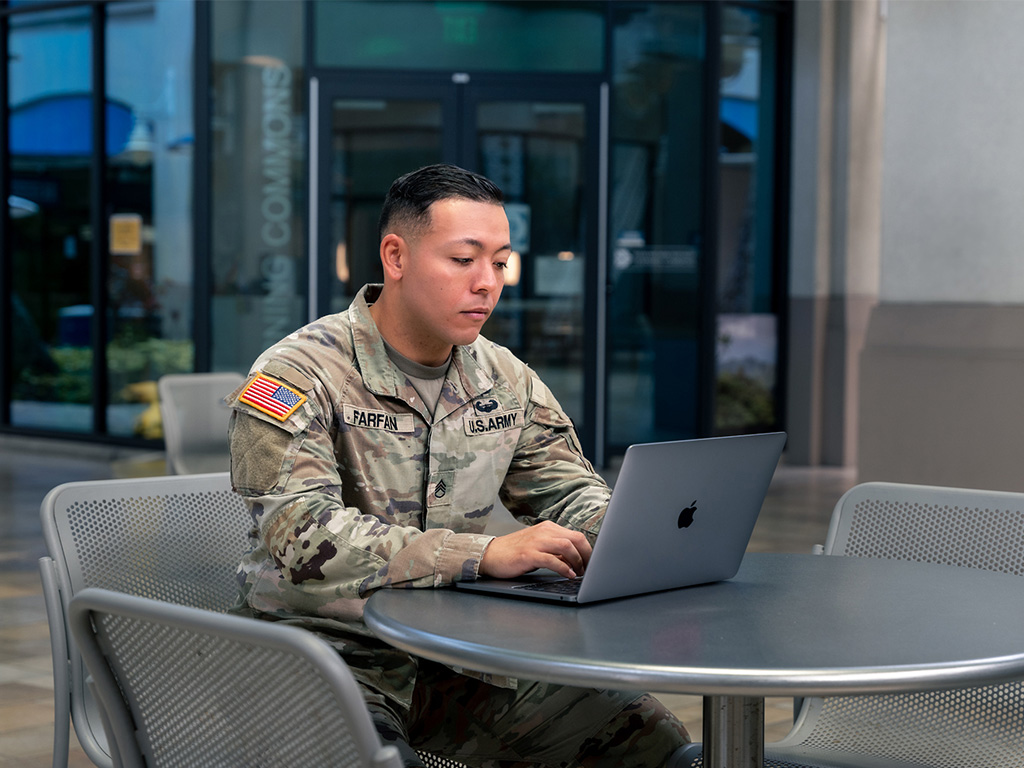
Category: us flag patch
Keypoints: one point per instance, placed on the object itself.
(272, 397)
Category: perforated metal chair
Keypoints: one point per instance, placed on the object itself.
(183, 686)
(177, 539)
(438, 761)
(195, 421)
(979, 727)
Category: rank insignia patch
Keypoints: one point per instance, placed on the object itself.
(272, 397)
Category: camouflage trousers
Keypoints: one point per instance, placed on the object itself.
(539, 724)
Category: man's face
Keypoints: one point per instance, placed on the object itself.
(453, 275)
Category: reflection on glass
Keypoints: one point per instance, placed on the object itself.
(747, 329)
(149, 169)
(50, 144)
(655, 222)
(373, 142)
(534, 152)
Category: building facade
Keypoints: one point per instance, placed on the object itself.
(184, 209)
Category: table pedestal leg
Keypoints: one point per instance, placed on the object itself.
(733, 732)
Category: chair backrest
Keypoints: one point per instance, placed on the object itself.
(952, 526)
(978, 727)
(183, 686)
(195, 420)
(177, 539)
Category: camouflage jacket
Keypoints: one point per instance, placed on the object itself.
(355, 485)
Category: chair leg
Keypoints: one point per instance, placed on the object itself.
(61, 669)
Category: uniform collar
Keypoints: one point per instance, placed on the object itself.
(466, 379)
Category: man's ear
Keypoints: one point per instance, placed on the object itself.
(393, 253)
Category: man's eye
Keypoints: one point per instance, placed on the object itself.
(501, 264)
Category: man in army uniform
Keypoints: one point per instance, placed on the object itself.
(371, 446)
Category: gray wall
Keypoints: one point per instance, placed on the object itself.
(942, 370)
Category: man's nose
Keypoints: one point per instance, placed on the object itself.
(487, 278)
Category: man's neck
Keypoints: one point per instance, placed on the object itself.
(401, 342)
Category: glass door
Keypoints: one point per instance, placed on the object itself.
(538, 148)
(367, 138)
(537, 143)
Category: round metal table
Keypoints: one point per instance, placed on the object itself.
(800, 625)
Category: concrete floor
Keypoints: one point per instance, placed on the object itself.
(794, 518)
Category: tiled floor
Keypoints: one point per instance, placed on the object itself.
(794, 518)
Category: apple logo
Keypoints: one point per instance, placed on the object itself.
(686, 516)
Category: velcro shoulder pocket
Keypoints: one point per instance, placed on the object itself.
(279, 395)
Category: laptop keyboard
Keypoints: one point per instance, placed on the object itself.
(563, 587)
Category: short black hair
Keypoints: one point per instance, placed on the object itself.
(411, 195)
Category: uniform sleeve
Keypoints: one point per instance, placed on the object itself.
(549, 477)
(322, 549)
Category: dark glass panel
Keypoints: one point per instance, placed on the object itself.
(656, 216)
(748, 325)
(50, 143)
(460, 36)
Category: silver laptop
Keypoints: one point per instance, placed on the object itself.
(681, 514)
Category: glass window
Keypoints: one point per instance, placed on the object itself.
(747, 331)
(149, 201)
(460, 36)
(655, 217)
(50, 143)
(258, 199)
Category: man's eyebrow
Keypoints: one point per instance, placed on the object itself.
(472, 241)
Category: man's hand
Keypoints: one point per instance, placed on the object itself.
(545, 545)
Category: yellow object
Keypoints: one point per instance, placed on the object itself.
(149, 424)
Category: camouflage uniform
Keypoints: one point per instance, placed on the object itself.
(355, 484)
